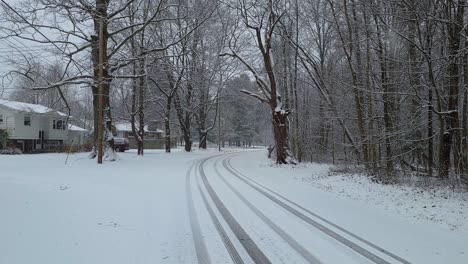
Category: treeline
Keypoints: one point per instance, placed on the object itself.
(378, 83)
(394, 75)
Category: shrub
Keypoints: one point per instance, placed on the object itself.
(3, 138)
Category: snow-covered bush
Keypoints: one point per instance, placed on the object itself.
(11, 151)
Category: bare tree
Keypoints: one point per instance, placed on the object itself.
(261, 18)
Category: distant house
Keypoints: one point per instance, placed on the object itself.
(124, 129)
(32, 127)
(153, 139)
(77, 136)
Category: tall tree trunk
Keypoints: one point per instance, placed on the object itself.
(185, 123)
(167, 125)
(358, 84)
(430, 109)
(280, 132)
(187, 133)
(464, 168)
(202, 138)
(297, 137)
(451, 136)
(348, 46)
(430, 134)
(141, 97)
(101, 17)
(201, 120)
(136, 83)
(387, 99)
(370, 100)
(464, 137)
(415, 82)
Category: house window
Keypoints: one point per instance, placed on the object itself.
(58, 124)
(1, 118)
(27, 120)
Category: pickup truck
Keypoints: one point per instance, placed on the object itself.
(121, 144)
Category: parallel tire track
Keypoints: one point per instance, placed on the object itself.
(200, 247)
(291, 241)
(249, 245)
(362, 251)
(235, 257)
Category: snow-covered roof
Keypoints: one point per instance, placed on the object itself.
(76, 128)
(127, 127)
(29, 108)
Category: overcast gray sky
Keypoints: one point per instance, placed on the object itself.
(15, 49)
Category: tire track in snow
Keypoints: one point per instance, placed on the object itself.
(364, 252)
(249, 245)
(291, 241)
(235, 257)
(200, 247)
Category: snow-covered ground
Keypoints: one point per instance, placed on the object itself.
(444, 205)
(130, 211)
(162, 208)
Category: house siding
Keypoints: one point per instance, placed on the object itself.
(55, 134)
(8, 121)
(13, 122)
(76, 138)
(20, 131)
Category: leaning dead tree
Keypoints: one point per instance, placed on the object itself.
(260, 18)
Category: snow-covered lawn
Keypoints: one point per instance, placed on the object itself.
(129, 211)
(135, 210)
(446, 206)
(441, 205)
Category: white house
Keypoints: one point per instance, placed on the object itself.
(33, 127)
(76, 135)
(154, 138)
(124, 129)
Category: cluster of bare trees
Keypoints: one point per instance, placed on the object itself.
(378, 83)
(372, 82)
(140, 46)
(390, 83)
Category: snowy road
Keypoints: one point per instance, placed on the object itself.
(259, 225)
(200, 207)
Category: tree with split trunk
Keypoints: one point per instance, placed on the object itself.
(261, 19)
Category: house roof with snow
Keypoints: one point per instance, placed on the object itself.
(127, 127)
(29, 108)
(76, 128)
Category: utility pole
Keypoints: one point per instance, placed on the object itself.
(219, 125)
(100, 83)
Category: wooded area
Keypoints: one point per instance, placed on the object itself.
(382, 84)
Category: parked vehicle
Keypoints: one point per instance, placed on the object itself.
(121, 144)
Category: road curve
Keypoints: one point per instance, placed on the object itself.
(209, 195)
(362, 251)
